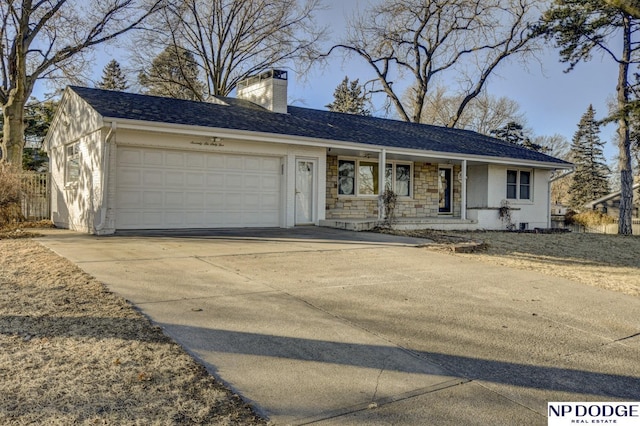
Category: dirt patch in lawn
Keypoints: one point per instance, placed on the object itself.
(74, 353)
(611, 262)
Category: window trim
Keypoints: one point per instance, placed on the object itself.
(356, 183)
(69, 157)
(519, 185)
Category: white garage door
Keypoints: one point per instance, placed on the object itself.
(164, 189)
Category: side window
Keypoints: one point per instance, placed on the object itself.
(525, 185)
(518, 184)
(346, 177)
(512, 184)
(72, 163)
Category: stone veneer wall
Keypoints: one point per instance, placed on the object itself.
(424, 203)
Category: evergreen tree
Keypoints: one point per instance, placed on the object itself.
(591, 177)
(513, 132)
(37, 119)
(349, 97)
(174, 74)
(113, 78)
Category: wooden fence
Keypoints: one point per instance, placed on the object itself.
(36, 196)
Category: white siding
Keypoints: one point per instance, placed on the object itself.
(533, 212)
(76, 205)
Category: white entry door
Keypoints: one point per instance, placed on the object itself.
(305, 173)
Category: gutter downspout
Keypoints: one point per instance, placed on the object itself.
(551, 180)
(104, 177)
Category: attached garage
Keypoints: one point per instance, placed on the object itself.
(172, 189)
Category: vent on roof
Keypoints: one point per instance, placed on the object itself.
(269, 90)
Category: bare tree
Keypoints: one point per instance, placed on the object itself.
(234, 39)
(483, 114)
(46, 39)
(454, 42)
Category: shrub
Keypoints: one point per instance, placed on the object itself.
(10, 192)
(591, 218)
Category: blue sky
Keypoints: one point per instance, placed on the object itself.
(551, 100)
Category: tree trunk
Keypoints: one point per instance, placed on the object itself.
(13, 131)
(624, 144)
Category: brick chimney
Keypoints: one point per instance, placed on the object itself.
(269, 90)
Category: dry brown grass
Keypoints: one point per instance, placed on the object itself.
(74, 353)
(611, 262)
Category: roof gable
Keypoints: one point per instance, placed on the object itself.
(236, 114)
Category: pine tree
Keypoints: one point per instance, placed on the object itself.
(513, 132)
(349, 97)
(591, 177)
(174, 74)
(113, 78)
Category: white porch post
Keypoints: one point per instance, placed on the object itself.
(463, 208)
(382, 161)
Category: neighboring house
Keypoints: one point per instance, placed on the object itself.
(610, 204)
(126, 161)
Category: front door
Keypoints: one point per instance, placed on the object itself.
(445, 186)
(305, 172)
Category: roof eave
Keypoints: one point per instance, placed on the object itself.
(172, 128)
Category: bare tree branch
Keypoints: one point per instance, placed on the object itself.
(234, 39)
(39, 40)
(437, 41)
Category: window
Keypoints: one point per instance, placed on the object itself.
(403, 180)
(365, 181)
(518, 184)
(367, 178)
(346, 177)
(72, 164)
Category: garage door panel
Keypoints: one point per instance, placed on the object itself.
(129, 198)
(174, 159)
(215, 162)
(215, 180)
(270, 183)
(251, 201)
(174, 219)
(129, 156)
(272, 164)
(172, 189)
(251, 183)
(232, 202)
(151, 179)
(195, 179)
(153, 199)
(152, 158)
(234, 163)
(174, 179)
(129, 177)
(194, 200)
(153, 218)
(195, 161)
(173, 199)
(270, 202)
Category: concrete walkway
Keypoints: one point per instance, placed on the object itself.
(335, 327)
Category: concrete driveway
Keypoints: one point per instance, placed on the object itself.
(334, 327)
